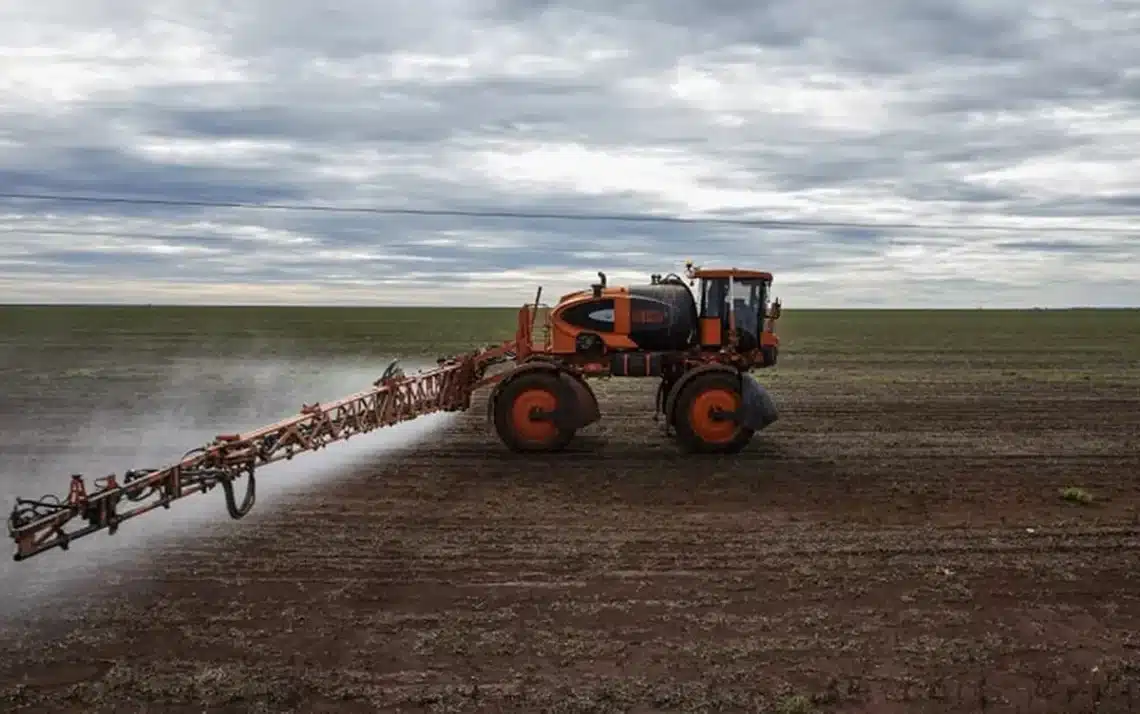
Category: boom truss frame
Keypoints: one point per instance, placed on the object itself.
(38, 525)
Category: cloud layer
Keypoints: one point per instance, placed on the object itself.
(959, 112)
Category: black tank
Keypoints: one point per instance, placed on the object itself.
(663, 316)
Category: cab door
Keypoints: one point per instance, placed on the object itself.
(714, 312)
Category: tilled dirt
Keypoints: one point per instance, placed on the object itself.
(896, 545)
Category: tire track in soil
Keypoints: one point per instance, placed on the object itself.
(621, 575)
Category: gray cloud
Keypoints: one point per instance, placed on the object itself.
(928, 111)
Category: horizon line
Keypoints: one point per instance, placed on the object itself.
(215, 306)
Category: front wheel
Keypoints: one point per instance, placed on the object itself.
(527, 415)
(704, 415)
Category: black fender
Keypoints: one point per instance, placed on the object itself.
(585, 411)
(588, 410)
(757, 404)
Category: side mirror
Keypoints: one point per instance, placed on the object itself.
(775, 310)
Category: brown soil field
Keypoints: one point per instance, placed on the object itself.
(898, 542)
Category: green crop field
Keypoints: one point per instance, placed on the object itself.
(1060, 338)
(230, 330)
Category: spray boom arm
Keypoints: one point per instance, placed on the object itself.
(38, 525)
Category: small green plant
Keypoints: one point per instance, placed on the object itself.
(1079, 496)
(795, 704)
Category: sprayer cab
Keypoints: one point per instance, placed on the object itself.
(736, 312)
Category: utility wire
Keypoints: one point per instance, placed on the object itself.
(79, 232)
(779, 223)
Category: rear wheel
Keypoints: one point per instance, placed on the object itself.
(527, 413)
(703, 415)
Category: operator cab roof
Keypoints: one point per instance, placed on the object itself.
(715, 273)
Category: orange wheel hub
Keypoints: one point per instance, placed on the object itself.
(520, 415)
(701, 418)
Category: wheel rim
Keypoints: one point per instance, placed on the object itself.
(700, 415)
(534, 431)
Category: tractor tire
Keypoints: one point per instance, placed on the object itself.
(696, 431)
(545, 390)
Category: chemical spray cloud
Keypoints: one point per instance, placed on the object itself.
(193, 402)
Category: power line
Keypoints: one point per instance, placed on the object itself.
(218, 238)
(78, 232)
(778, 223)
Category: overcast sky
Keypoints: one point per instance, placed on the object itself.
(988, 112)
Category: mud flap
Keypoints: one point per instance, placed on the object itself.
(585, 409)
(759, 410)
